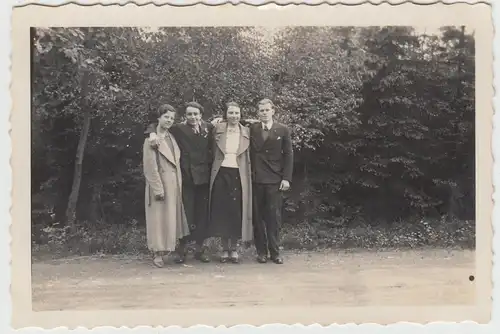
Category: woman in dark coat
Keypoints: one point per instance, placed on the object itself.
(231, 184)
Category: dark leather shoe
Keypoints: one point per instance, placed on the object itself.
(262, 259)
(180, 259)
(202, 257)
(277, 260)
(181, 252)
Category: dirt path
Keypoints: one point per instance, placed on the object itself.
(339, 278)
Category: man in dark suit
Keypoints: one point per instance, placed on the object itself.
(194, 138)
(271, 156)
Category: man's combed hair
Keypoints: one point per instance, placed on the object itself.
(265, 101)
(196, 105)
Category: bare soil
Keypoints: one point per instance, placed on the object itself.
(338, 278)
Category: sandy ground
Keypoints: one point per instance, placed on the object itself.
(426, 277)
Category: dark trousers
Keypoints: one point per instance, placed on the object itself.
(267, 202)
(195, 200)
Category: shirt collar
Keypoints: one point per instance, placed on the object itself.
(268, 124)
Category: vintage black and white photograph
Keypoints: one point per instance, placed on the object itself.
(252, 166)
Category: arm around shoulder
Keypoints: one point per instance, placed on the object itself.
(248, 122)
(151, 128)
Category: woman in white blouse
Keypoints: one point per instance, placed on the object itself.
(230, 184)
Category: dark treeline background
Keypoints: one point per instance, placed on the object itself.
(382, 120)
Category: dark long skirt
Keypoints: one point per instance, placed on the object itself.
(226, 204)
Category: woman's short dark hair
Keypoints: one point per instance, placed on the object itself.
(156, 113)
(196, 105)
(230, 104)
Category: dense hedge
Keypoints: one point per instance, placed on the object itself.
(382, 120)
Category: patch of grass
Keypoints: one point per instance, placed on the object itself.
(102, 238)
(403, 234)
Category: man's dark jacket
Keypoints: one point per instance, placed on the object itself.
(272, 159)
(196, 151)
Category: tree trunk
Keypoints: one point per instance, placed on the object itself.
(80, 151)
(461, 60)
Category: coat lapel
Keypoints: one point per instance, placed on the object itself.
(203, 128)
(167, 153)
(260, 142)
(177, 151)
(257, 136)
(188, 131)
(197, 140)
(272, 132)
(221, 137)
(244, 139)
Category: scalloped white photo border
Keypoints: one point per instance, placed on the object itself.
(6, 191)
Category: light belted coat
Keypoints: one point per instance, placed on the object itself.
(243, 159)
(165, 220)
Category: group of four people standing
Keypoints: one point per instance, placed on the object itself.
(222, 179)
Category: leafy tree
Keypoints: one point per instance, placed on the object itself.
(382, 117)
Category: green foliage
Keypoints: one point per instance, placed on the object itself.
(382, 119)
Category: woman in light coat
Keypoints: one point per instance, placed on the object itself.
(165, 217)
(231, 184)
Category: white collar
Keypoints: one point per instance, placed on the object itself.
(268, 124)
(235, 129)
